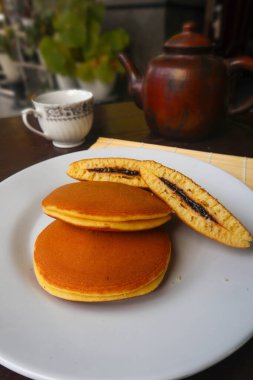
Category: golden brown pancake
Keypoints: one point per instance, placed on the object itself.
(112, 169)
(106, 205)
(195, 206)
(85, 265)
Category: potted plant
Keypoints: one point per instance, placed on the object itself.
(79, 49)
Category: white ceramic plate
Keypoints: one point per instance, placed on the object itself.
(202, 312)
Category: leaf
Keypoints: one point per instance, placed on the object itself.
(93, 37)
(85, 71)
(118, 39)
(105, 72)
(96, 12)
(57, 57)
(71, 29)
(117, 66)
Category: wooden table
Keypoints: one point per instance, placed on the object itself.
(20, 148)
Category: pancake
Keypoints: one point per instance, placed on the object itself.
(107, 206)
(195, 206)
(113, 169)
(85, 265)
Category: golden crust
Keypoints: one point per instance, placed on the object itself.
(106, 225)
(103, 203)
(194, 205)
(95, 297)
(113, 169)
(83, 265)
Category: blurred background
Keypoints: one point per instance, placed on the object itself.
(47, 45)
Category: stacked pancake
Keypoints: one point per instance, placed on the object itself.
(107, 242)
(106, 206)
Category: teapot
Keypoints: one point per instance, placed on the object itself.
(185, 91)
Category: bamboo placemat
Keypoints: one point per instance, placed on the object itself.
(239, 167)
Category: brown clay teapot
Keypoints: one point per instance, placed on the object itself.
(185, 91)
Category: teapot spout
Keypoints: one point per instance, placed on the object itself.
(134, 78)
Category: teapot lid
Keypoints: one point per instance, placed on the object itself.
(188, 40)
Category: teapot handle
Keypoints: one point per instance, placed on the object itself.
(245, 63)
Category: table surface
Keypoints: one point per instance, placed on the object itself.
(20, 148)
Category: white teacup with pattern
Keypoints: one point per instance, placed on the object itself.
(65, 116)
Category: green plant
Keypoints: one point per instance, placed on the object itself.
(78, 47)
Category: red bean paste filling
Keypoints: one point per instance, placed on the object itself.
(194, 205)
(115, 170)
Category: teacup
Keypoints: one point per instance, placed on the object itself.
(65, 116)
